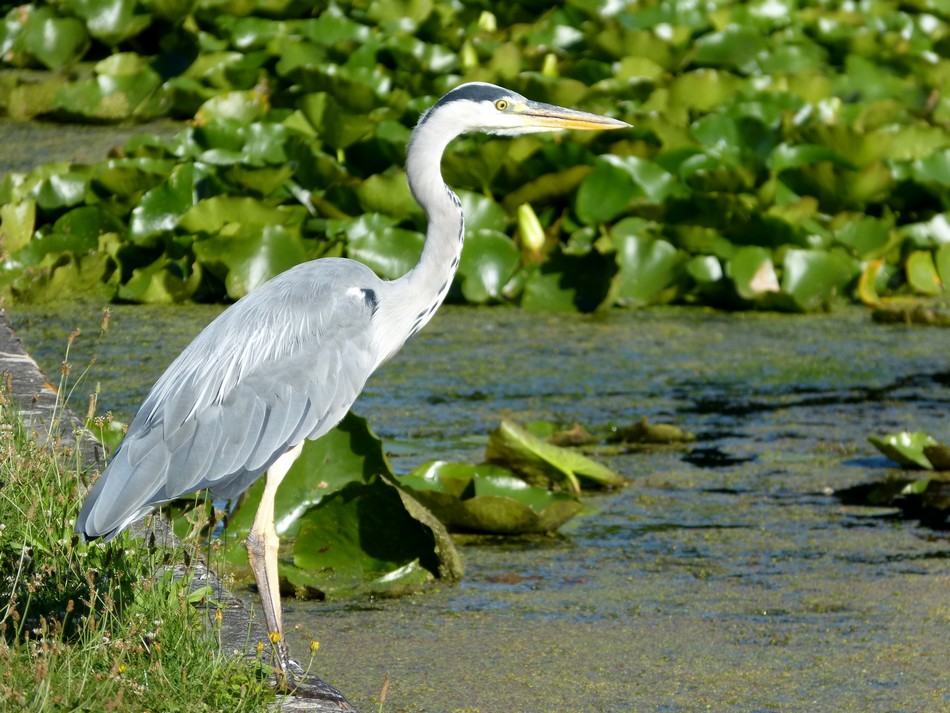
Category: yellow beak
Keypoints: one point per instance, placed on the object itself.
(549, 116)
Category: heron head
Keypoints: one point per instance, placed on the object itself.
(478, 106)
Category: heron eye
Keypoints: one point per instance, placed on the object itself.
(501, 104)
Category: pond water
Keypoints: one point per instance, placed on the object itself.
(724, 577)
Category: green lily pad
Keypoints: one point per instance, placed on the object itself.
(604, 194)
(922, 273)
(55, 42)
(651, 433)
(390, 252)
(486, 498)
(907, 448)
(867, 237)
(111, 21)
(17, 222)
(567, 283)
(350, 528)
(753, 272)
(489, 260)
(213, 214)
(813, 277)
(162, 207)
(648, 269)
(942, 261)
(164, 281)
(361, 539)
(543, 464)
(251, 255)
(388, 194)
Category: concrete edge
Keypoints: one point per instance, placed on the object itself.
(50, 425)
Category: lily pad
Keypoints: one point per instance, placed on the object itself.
(251, 255)
(543, 464)
(646, 432)
(351, 529)
(486, 498)
(922, 273)
(649, 268)
(489, 260)
(906, 447)
(814, 277)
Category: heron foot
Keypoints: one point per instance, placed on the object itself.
(310, 686)
(293, 680)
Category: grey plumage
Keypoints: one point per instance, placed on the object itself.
(282, 364)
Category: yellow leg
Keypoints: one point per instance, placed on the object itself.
(262, 543)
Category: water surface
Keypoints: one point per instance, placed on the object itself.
(725, 577)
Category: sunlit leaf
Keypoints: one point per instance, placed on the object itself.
(56, 42)
(753, 272)
(907, 448)
(922, 273)
(339, 490)
(489, 260)
(647, 268)
(813, 278)
(251, 255)
(486, 498)
(111, 21)
(543, 464)
(17, 222)
(161, 207)
(164, 281)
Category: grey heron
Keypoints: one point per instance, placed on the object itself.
(286, 362)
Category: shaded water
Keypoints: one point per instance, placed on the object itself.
(724, 578)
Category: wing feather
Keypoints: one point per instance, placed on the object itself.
(284, 363)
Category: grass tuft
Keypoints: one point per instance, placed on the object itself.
(97, 626)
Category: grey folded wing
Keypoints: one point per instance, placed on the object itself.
(248, 388)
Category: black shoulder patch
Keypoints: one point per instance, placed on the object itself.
(371, 298)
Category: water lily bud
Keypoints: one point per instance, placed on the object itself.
(468, 57)
(487, 22)
(530, 230)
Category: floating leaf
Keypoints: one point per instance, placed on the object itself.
(485, 498)
(164, 281)
(252, 255)
(111, 21)
(922, 273)
(17, 222)
(489, 260)
(543, 464)
(907, 448)
(813, 278)
(387, 194)
(648, 267)
(163, 206)
(646, 432)
(56, 42)
(567, 283)
(604, 194)
(352, 530)
(213, 214)
(753, 272)
(390, 252)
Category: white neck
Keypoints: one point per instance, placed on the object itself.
(426, 285)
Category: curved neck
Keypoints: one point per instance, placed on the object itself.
(426, 285)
